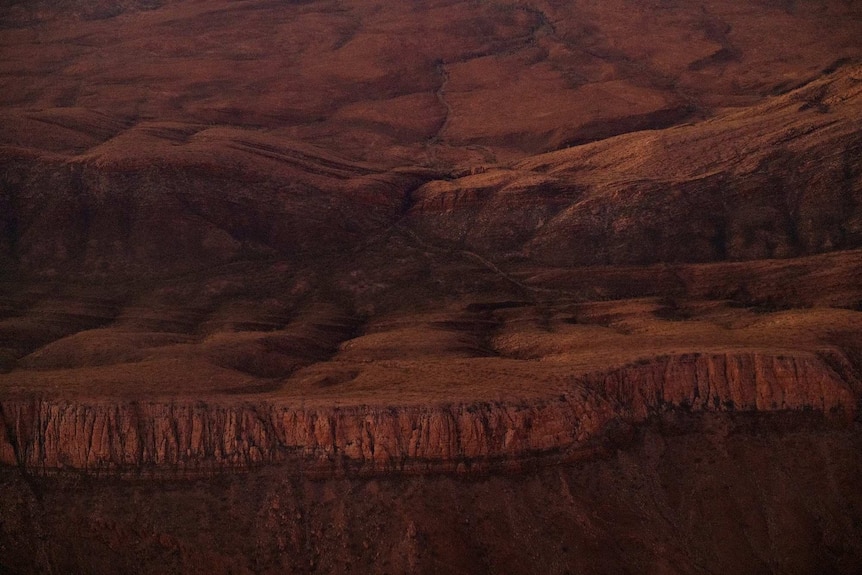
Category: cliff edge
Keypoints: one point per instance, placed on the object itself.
(192, 436)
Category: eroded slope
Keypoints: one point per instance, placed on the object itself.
(600, 260)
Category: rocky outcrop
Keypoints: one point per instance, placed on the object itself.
(103, 211)
(190, 437)
(772, 181)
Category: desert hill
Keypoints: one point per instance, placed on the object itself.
(461, 260)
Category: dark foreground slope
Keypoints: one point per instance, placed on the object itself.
(730, 493)
(430, 287)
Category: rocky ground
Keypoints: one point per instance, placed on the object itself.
(346, 286)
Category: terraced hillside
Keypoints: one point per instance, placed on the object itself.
(352, 286)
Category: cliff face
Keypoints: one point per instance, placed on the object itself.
(716, 493)
(188, 437)
(308, 286)
(101, 213)
(778, 179)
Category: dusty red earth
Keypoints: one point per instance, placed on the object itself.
(430, 287)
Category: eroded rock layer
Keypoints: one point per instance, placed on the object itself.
(438, 286)
(190, 437)
(733, 492)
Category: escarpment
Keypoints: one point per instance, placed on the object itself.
(191, 436)
(439, 286)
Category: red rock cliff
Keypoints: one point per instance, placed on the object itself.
(190, 436)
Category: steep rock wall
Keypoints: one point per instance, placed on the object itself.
(188, 437)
